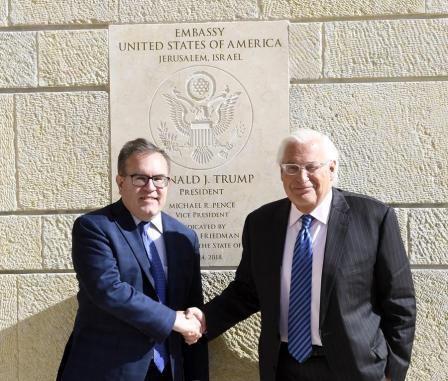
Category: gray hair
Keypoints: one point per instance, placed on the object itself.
(305, 135)
(139, 145)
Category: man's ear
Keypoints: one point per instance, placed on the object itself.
(119, 180)
(332, 168)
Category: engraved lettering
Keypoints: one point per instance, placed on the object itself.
(199, 32)
(234, 179)
(252, 43)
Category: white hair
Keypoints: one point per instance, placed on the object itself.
(305, 135)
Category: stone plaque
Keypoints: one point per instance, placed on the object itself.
(215, 97)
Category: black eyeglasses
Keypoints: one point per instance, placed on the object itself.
(159, 181)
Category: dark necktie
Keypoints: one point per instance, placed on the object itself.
(299, 316)
(158, 275)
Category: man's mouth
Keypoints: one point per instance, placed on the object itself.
(303, 189)
(149, 198)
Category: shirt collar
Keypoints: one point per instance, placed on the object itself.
(156, 222)
(320, 213)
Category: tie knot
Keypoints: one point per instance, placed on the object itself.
(306, 220)
(143, 225)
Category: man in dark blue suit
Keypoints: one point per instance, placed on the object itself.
(138, 270)
(328, 271)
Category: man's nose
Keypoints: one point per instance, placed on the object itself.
(150, 185)
(302, 176)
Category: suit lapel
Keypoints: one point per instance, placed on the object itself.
(280, 219)
(126, 225)
(274, 252)
(337, 230)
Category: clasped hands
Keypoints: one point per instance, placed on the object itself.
(190, 324)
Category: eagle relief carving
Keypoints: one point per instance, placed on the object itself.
(199, 120)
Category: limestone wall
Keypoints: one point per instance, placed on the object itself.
(372, 74)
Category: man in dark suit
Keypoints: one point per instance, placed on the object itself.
(137, 269)
(329, 273)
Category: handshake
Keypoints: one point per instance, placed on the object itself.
(190, 324)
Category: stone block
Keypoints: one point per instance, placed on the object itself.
(428, 236)
(43, 12)
(392, 136)
(233, 355)
(68, 58)
(436, 6)
(46, 311)
(7, 157)
(18, 59)
(3, 14)
(430, 357)
(20, 243)
(309, 9)
(8, 328)
(305, 51)
(402, 216)
(386, 48)
(135, 11)
(63, 150)
(57, 241)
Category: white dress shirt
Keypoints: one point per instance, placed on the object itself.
(318, 233)
(155, 232)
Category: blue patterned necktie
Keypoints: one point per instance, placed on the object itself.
(299, 316)
(158, 275)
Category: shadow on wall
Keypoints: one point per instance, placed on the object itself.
(227, 364)
(8, 353)
(42, 340)
(31, 350)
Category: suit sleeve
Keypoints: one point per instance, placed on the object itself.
(397, 298)
(196, 355)
(99, 277)
(239, 300)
